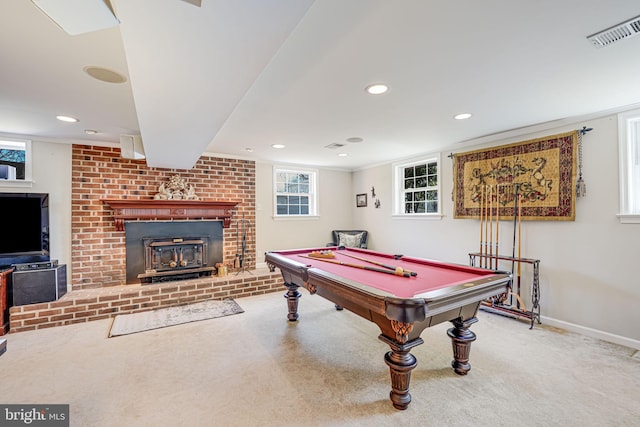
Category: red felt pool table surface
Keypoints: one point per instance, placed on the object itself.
(431, 275)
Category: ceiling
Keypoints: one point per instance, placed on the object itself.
(234, 77)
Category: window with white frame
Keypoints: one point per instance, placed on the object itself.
(15, 160)
(629, 151)
(295, 192)
(417, 187)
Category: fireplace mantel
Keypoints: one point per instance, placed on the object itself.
(131, 209)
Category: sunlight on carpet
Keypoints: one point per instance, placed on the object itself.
(125, 324)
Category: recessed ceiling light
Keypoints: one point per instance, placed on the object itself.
(249, 150)
(90, 131)
(377, 89)
(67, 119)
(278, 146)
(105, 75)
(462, 116)
(342, 155)
(355, 139)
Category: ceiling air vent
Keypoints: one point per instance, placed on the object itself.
(616, 33)
(334, 145)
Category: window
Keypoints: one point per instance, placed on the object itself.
(15, 162)
(295, 193)
(417, 187)
(629, 151)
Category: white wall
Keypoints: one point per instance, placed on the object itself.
(51, 164)
(588, 267)
(336, 204)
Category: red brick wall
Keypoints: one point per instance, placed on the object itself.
(98, 250)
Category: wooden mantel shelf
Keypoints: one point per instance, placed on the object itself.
(130, 209)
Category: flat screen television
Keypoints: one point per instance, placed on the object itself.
(25, 228)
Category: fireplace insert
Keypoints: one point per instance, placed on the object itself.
(172, 250)
(176, 257)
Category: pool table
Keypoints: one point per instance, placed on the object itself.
(402, 295)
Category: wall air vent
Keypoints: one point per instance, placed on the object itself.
(616, 33)
(334, 145)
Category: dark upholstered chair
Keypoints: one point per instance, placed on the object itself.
(349, 238)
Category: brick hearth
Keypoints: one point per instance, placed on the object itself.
(102, 303)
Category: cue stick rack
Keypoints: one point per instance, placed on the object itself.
(503, 304)
(489, 255)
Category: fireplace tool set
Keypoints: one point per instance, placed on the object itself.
(242, 227)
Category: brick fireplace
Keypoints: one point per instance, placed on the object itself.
(98, 236)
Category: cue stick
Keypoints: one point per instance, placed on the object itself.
(491, 226)
(387, 266)
(486, 224)
(480, 216)
(497, 223)
(519, 301)
(519, 244)
(362, 267)
(513, 250)
(494, 218)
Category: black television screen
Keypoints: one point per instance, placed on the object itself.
(25, 233)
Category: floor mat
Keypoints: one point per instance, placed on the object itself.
(125, 324)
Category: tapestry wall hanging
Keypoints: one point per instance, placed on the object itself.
(542, 171)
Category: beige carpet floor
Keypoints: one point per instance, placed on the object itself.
(327, 369)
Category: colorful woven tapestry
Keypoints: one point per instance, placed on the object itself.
(542, 171)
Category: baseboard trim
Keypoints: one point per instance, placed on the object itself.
(593, 333)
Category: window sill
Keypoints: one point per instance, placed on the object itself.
(22, 183)
(296, 217)
(629, 218)
(420, 217)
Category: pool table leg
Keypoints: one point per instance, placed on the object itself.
(400, 363)
(461, 338)
(292, 297)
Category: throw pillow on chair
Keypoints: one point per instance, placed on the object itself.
(350, 240)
